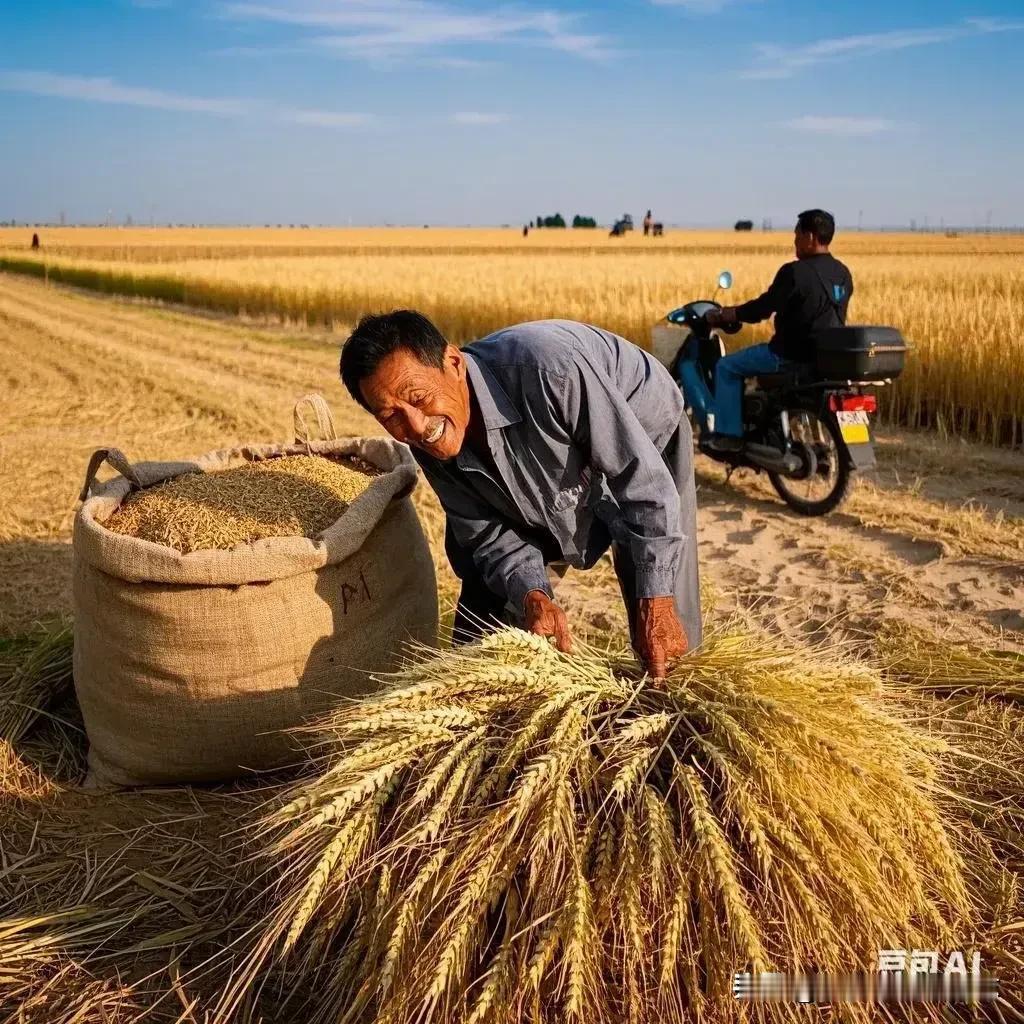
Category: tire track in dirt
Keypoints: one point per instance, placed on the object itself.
(950, 470)
(837, 577)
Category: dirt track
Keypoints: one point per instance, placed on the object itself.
(937, 535)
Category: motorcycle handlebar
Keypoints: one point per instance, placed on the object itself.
(732, 328)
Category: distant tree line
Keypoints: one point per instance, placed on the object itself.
(558, 221)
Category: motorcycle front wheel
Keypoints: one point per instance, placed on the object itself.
(824, 481)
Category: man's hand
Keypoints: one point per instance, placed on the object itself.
(545, 618)
(718, 317)
(660, 637)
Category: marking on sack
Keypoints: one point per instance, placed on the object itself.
(355, 592)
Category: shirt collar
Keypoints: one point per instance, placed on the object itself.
(495, 405)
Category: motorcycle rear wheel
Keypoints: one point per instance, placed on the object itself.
(828, 483)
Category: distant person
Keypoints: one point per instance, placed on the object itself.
(809, 294)
(526, 230)
(648, 221)
(35, 241)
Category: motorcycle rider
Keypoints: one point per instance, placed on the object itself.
(807, 295)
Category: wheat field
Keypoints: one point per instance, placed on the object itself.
(959, 301)
(116, 907)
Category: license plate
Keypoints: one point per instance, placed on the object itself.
(854, 427)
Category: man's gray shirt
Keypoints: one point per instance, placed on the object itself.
(576, 419)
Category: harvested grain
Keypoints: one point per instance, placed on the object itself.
(290, 496)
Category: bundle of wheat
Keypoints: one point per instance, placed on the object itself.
(295, 495)
(515, 834)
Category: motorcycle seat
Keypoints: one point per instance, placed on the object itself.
(790, 376)
(773, 381)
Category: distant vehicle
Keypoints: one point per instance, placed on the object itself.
(744, 225)
(621, 226)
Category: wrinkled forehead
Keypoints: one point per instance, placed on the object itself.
(397, 374)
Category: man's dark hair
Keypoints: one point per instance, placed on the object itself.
(819, 223)
(378, 335)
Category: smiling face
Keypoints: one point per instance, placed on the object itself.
(420, 405)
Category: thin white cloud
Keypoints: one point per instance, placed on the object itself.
(257, 51)
(323, 118)
(842, 125)
(696, 6)
(384, 30)
(786, 61)
(107, 90)
(478, 117)
(453, 63)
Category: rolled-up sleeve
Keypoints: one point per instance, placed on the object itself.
(604, 424)
(510, 564)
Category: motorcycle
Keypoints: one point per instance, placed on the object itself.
(809, 426)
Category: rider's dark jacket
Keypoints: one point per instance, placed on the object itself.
(806, 295)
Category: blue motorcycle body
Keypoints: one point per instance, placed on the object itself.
(694, 365)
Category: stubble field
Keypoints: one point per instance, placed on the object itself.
(930, 547)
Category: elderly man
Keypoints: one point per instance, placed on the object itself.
(546, 442)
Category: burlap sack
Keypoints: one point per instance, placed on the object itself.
(188, 666)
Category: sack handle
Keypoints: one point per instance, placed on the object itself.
(118, 460)
(324, 420)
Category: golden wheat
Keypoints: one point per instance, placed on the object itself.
(959, 301)
(769, 792)
(202, 382)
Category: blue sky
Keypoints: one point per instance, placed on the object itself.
(428, 111)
